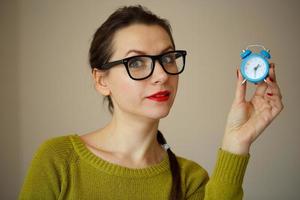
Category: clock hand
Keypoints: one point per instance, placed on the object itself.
(255, 69)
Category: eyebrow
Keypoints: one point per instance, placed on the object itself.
(144, 53)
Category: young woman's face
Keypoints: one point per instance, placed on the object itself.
(129, 95)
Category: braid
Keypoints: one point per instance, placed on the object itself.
(175, 170)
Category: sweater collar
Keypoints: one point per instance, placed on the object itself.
(114, 169)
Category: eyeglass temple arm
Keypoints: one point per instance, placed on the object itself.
(111, 64)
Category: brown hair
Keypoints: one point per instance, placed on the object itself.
(101, 51)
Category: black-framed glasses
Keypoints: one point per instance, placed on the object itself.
(142, 66)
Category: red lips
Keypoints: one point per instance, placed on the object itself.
(160, 96)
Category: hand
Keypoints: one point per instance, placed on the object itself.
(247, 119)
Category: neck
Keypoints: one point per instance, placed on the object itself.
(133, 138)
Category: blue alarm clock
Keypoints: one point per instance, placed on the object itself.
(255, 66)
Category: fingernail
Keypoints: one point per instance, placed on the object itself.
(273, 65)
(270, 94)
(271, 79)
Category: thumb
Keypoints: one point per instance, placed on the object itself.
(240, 91)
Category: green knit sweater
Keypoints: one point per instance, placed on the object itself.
(63, 168)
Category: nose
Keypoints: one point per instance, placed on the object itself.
(159, 75)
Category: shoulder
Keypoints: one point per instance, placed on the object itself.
(194, 177)
(57, 148)
(191, 168)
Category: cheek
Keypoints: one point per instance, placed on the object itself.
(174, 82)
(126, 91)
(124, 85)
(125, 88)
(119, 82)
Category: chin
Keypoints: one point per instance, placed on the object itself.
(157, 114)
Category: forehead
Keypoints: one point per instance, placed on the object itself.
(151, 39)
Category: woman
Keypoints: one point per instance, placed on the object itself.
(135, 65)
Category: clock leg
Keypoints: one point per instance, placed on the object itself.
(243, 81)
(266, 82)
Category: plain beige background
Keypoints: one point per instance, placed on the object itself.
(47, 91)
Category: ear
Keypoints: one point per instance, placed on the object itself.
(100, 80)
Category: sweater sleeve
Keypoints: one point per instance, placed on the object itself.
(226, 180)
(43, 179)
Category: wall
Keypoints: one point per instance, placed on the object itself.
(10, 142)
(47, 89)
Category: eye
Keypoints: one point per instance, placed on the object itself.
(168, 59)
(136, 62)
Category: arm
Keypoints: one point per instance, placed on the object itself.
(226, 180)
(245, 122)
(227, 177)
(248, 119)
(43, 179)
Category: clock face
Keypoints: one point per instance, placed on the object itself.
(255, 68)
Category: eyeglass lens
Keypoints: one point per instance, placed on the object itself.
(141, 66)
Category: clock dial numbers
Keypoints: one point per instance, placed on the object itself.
(255, 68)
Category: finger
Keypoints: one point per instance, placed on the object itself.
(272, 72)
(273, 94)
(276, 104)
(272, 97)
(277, 107)
(273, 88)
(240, 91)
(272, 83)
(261, 89)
